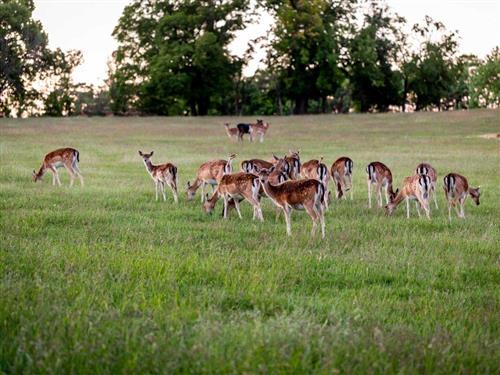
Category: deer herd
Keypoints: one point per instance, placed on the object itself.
(286, 181)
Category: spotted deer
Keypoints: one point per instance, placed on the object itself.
(209, 173)
(297, 194)
(62, 157)
(293, 158)
(232, 132)
(417, 187)
(427, 169)
(259, 129)
(251, 165)
(161, 174)
(316, 169)
(236, 187)
(341, 175)
(380, 175)
(456, 189)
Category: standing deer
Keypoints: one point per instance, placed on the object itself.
(161, 174)
(209, 173)
(260, 128)
(427, 169)
(232, 132)
(341, 174)
(456, 189)
(297, 194)
(63, 157)
(293, 158)
(380, 175)
(316, 169)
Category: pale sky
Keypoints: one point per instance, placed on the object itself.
(87, 25)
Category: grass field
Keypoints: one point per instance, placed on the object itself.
(103, 279)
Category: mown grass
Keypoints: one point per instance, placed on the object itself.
(103, 279)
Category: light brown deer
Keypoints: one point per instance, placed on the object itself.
(297, 194)
(456, 189)
(427, 169)
(161, 174)
(63, 157)
(293, 159)
(251, 165)
(209, 173)
(236, 187)
(380, 175)
(232, 132)
(260, 129)
(341, 174)
(316, 169)
(416, 187)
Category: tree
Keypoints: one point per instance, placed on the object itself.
(173, 57)
(305, 51)
(485, 82)
(373, 56)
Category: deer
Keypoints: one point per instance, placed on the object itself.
(249, 166)
(260, 128)
(380, 176)
(209, 173)
(161, 174)
(341, 175)
(232, 132)
(242, 130)
(236, 187)
(427, 169)
(456, 189)
(316, 169)
(297, 194)
(293, 159)
(416, 187)
(62, 157)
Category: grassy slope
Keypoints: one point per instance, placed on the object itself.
(104, 279)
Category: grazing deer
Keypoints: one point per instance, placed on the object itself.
(293, 158)
(380, 176)
(209, 173)
(63, 157)
(416, 187)
(341, 174)
(260, 128)
(232, 132)
(297, 194)
(316, 169)
(250, 166)
(456, 189)
(427, 169)
(236, 187)
(161, 174)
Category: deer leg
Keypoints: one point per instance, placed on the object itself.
(379, 197)
(369, 194)
(237, 205)
(162, 186)
(314, 217)
(386, 194)
(226, 202)
(425, 206)
(351, 187)
(57, 177)
(417, 206)
(156, 190)
(172, 184)
(203, 192)
(407, 208)
(449, 211)
(462, 213)
(434, 195)
(76, 168)
(53, 178)
(287, 212)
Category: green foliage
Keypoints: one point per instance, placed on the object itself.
(92, 102)
(485, 82)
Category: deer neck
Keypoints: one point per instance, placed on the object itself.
(149, 165)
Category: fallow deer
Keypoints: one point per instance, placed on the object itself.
(161, 174)
(297, 194)
(293, 159)
(456, 189)
(341, 174)
(209, 173)
(63, 157)
(251, 165)
(236, 187)
(380, 175)
(416, 187)
(425, 168)
(232, 132)
(260, 129)
(316, 169)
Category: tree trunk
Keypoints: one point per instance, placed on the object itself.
(301, 104)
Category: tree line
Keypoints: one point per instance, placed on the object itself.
(322, 56)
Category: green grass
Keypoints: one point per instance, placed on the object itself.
(103, 279)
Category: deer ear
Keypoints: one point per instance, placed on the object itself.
(140, 153)
(188, 184)
(152, 152)
(275, 157)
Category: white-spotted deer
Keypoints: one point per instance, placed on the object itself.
(232, 132)
(63, 157)
(317, 170)
(209, 173)
(260, 129)
(341, 174)
(161, 174)
(236, 187)
(293, 159)
(417, 187)
(456, 189)
(380, 175)
(252, 165)
(297, 194)
(427, 169)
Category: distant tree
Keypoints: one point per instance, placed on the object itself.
(305, 50)
(375, 82)
(485, 82)
(172, 55)
(91, 101)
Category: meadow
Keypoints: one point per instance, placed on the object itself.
(103, 279)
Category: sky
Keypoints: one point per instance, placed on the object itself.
(87, 25)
